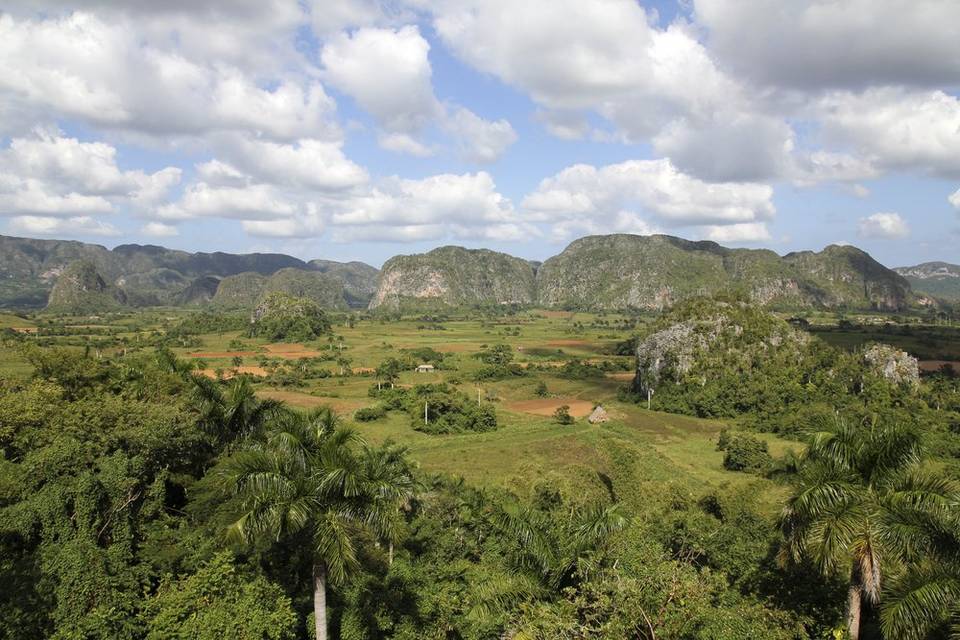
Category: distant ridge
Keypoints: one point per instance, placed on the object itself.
(616, 271)
(940, 279)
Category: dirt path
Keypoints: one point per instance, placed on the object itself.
(546, 406)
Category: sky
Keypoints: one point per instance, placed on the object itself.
(362, 129)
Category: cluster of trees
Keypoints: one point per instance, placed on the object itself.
(433, 408)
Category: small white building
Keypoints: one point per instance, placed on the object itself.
(425, 368)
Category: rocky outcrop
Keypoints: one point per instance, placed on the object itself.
(244, 290)
(654, 272)
(80, 289)
(454, 276)
(893, 365)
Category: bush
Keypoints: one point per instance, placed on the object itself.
(562, 415)
(746, 453)
(541, 390)
(369, 414)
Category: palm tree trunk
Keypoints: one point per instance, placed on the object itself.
(854, 596)
(320, 600)
(391, 553)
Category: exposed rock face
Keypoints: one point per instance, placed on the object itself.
(81, 289)
(732, 334)
(653, 272)
(939, 279)
(454, 276)
(244, 290)
(893, 365)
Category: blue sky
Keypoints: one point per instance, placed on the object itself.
(361, 129)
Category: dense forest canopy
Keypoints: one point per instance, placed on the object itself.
(142, 496)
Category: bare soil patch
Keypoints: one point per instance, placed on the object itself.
(290, 351)
(259, 372)
(546, 406)
(556, 314)
(935, 365)
(222, 354)
(570, 343)
(621, 375)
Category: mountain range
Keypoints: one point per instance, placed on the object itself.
(596, 272)
(940, 279)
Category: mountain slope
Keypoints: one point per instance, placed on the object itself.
(939, 279)
(651, 272)
(245, 290)
(80, 289)
(149, 274)
(455, 276)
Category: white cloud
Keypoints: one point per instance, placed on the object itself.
(404, 143)
(48, 226)
(328, 18)
(253, 202)
(479, 140)
(308, 163)
(387, 72)
(883, 225)
(853, 44)
(468, 199)
(159, 230)
(745, 232)
(111, 73)
(655, 187)
(954, 199)
(897, 129)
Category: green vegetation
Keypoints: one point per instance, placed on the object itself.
(281, 317)
(143, 496)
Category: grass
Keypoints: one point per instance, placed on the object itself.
(637, 453)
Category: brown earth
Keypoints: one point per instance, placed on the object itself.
(934, 365)
(621, 375)
(290, 351)
(259, 372)
(547, 406)
(222, 354)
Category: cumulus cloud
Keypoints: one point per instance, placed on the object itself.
(106, 73)
(307, 163)
(252, 202)
(50, 174)
(744, 232)
(388, 72)
(954, 199)
(49, 226)
(883, 226)
(815, 44)
(159, 230)
(479, 140)
(655, 187)
(897, 129)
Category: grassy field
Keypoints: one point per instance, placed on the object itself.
(636, 453)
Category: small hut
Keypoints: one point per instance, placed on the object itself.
(425, 368)
(599, 415)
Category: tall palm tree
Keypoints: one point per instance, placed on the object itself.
(390, 474)
(234, 411)
(861, 508)
(303, 475)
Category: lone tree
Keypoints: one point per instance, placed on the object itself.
(862, 506)
(304, 476)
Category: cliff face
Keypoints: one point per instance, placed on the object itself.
(652, 272)
(80, 289)
(454, 276)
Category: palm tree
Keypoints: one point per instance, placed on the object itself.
(862, 507)
(302, 476)
(232, 412)
(923, 601)
(390, 474)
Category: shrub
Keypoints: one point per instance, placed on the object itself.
(369, 414)
(562, 415)
(746, 453)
